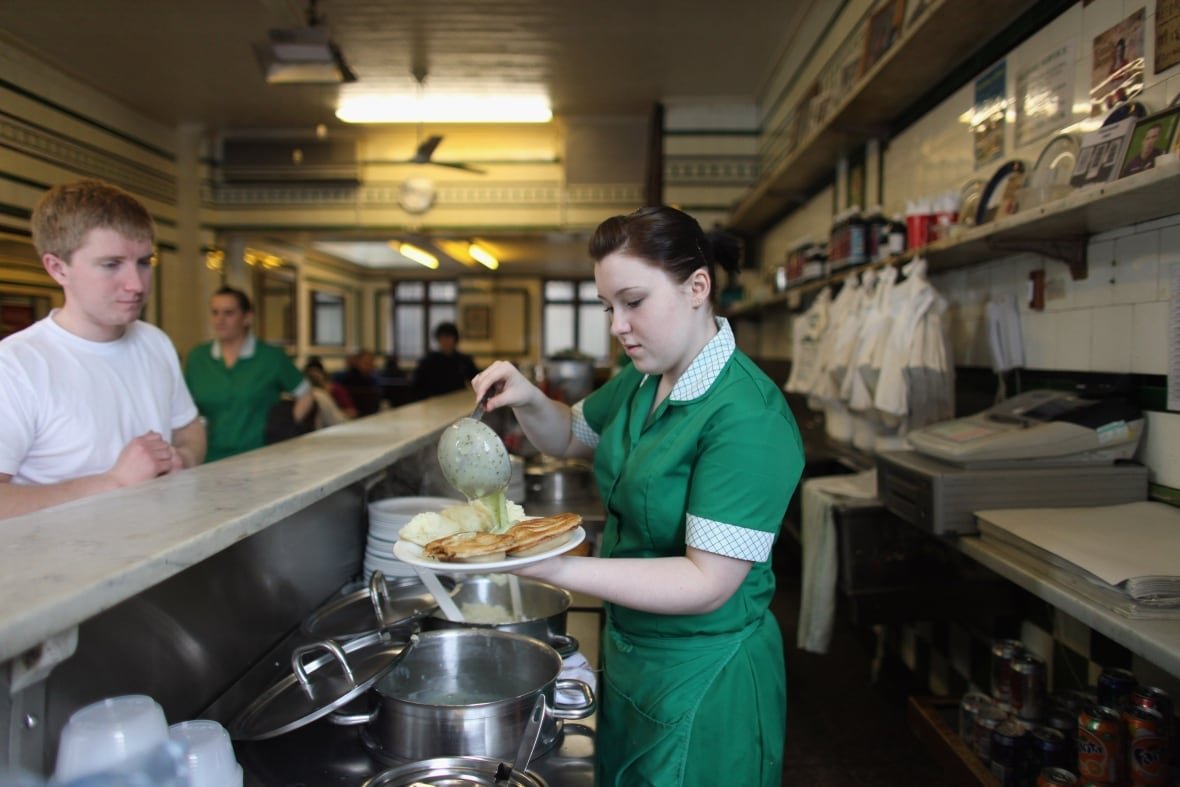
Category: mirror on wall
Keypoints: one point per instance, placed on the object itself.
(275, 307)
(20, 310)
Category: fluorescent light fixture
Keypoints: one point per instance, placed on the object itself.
(483, 256)
(444, 109)
(420, 256)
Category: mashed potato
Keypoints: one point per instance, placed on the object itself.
(461, 518)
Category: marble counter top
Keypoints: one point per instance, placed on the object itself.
(61, 566)
(1157, 640)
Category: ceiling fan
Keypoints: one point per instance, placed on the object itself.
(426, 147)
(425, 152)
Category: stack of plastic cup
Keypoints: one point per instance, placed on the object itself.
(211, 761)
(107, 734)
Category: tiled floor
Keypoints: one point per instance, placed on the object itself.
(842, 729)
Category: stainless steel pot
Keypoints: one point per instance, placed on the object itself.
(488, 599)
(452, 771)
(560, 483)
(468, 692)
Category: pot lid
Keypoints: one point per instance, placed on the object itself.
(452, 771)
(401, 602)
(324, 676)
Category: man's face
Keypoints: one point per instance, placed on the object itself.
(1150, 137)
(446, 343)
(230, 323)
(106, 283)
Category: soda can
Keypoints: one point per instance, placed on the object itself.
(1147, 746)
(1158, 699)
(1048, 748)
(1052, 777)
(969, 707)
(1115, 687)
(1028, 688)
(1001, 666)
(986, 720)
(1008, 750)
(1100, 744)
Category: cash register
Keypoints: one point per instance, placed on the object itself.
(1042, 448)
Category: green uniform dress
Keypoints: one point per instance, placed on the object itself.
(693, 699)
(235, 400)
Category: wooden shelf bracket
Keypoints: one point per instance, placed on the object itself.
(1071, 251)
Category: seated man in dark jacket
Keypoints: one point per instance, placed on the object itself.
(445, 369)
(360, 383)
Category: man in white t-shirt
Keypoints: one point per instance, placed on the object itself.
(92, 398)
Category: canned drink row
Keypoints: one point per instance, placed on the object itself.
(1019, 679)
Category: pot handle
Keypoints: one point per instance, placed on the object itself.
(301, 672)
(342, 718)
(379, 595)
(581, 711)
(564, 644)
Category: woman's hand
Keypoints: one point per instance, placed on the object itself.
(515, 389)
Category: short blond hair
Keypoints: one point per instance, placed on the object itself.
(68, 211)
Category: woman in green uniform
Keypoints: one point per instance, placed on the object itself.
(696, 456)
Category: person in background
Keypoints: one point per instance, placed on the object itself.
(360, 382)
(92, 398)
(445, 369)
(322, 379)
(236, 379)
(696, 455)
(328, 413)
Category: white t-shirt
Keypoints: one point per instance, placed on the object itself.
(68, 406)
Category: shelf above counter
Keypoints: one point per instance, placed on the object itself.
(941, 41)
(1060, 229)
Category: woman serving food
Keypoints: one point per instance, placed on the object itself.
(696, 455)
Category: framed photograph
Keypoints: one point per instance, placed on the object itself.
(477, 321)
(1152, 137)
(883, 30)
(1101, 154)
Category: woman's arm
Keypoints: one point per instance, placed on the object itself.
(546, 422)
(696, 583)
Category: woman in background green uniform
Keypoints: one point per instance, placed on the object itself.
(696, 455)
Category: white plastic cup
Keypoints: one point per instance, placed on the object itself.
(211, 761)
(107, 733)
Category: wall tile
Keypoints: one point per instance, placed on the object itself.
(1168, 259)
(1097, 289)
(1040, 339)
(1135, 274)
(1112, 334)
(1074, 330)
(1149, 338)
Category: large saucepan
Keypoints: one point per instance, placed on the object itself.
(486, 602)
(468, 692)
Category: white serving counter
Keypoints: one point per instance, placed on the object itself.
(1157, 640)
(62, 566)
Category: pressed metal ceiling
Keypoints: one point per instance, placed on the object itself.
(182, 61)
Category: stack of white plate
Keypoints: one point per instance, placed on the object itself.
(386, 518)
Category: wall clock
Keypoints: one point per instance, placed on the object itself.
(416, 195)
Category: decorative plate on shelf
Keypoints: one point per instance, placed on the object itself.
(1056, 162)
(969, 201)
(1000, 196)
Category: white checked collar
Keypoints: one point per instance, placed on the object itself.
(704, 369)
(247, 347)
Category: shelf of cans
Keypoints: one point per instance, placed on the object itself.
(1120, 733)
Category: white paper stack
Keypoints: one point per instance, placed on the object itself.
(1134, 547)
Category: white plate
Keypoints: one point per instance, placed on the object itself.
(409, 552)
